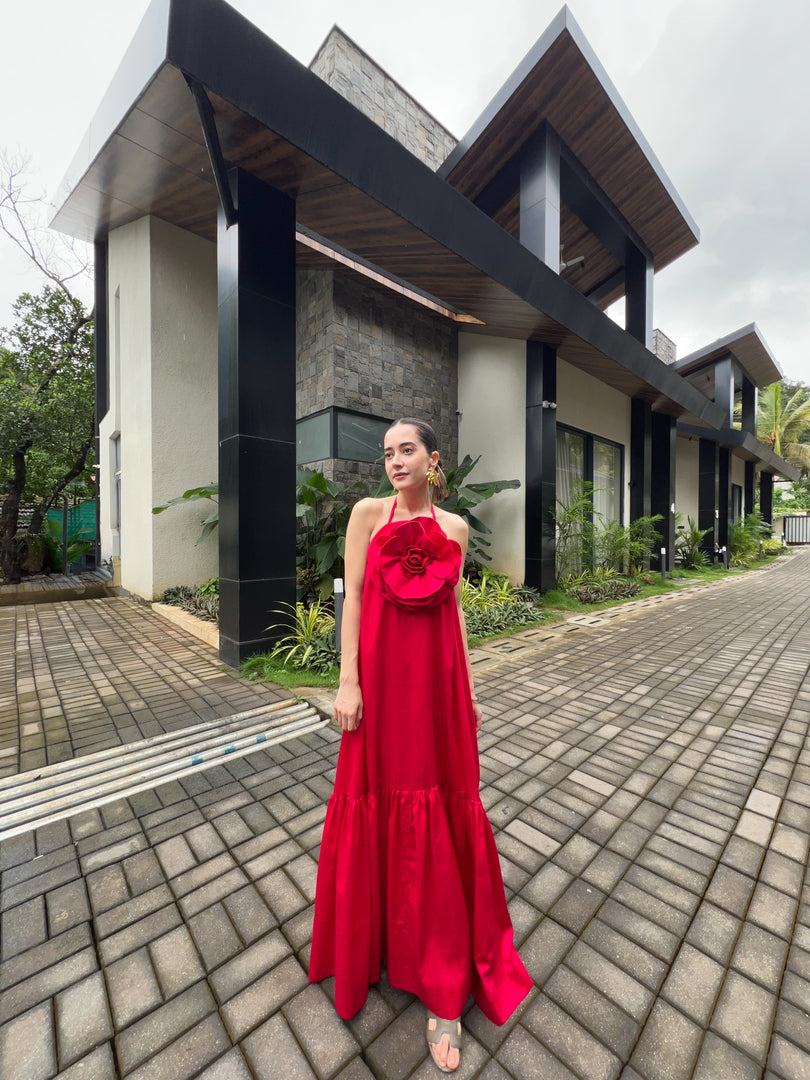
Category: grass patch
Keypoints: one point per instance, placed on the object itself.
(261, 668)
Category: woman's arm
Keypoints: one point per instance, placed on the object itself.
(462, 534)
(349, 700)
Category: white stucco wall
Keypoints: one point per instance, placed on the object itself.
(738, 475)
(585, 403)
(163, 402)
(492, 400)
(686, 479)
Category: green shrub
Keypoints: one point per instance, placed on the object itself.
(689, 550)
(597, 592)
(311, 640)
(78, 544)
(574, 529)
(193, 599)
(596, 576)
(322, 511)
(497, 618)
(744, 539)
(774, 547)
(493, 605)
(587, 540)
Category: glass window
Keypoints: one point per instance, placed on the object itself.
(570, 463)
(360, 438)
(607, 472)
(583, 457)
(313, 438)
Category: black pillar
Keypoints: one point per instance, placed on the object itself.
(541, 465)
(723, 495)
(707, 493)
(638, 296)
(766, 496)
(540, 196)
(724, 388)
(256, 301)
(748, 489)
(749, 409)
(640, 458)
(662, 493)
(101, 339)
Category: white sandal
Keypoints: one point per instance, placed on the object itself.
(436, 1030)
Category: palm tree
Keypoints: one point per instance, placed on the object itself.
(783, 422)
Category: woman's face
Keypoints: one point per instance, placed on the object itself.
(406, 458)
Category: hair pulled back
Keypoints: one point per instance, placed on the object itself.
(427, 437)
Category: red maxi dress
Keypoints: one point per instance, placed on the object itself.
(408, 870)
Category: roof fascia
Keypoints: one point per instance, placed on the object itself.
(227, 54)
(143, 59)
(749, 444)
(563, 21)
(210, 41)
(726, 345)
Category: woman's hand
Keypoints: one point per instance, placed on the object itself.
(478, 717)
(349, 707)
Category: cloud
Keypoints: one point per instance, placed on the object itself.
(719, 89)
(726, 92)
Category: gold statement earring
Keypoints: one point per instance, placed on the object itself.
(432, 477)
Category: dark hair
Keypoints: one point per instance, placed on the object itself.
(427, 437)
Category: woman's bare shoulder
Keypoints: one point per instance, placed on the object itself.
(369, 510)
(453, 524)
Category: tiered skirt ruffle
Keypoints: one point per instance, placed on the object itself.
(412, 879)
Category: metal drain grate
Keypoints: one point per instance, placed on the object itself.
(30, 800)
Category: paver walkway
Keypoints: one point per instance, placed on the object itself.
(648, 780)
(82, 676)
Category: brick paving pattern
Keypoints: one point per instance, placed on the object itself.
(82, 676)
(648, 780)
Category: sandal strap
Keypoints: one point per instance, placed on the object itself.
(450, 1028)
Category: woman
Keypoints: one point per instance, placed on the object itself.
(408, 870)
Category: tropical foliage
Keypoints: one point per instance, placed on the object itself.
(322, 513)
(310, 641)
(209, 492)
(744, 538)
(689, 550)
(46, 412)
(588, 541)
(198, 600)
(783, 422)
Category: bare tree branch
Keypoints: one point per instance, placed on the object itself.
(19, 212)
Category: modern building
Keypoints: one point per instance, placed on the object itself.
(288, 258)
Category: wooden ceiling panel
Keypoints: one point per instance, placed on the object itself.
(564, 91)
(169, 99)
(165, 141)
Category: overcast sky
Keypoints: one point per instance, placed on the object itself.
(719, 88)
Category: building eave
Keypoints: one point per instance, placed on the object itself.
(353, 184)
(743, 445)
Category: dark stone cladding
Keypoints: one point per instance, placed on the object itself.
(350, 71)
(363, 349)
(360, 347)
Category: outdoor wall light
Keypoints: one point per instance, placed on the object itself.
(549, 404)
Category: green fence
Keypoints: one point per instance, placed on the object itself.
(81, 519)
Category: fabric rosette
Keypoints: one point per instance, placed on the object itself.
(417, 564)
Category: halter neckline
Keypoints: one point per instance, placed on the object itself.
(393, 510)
